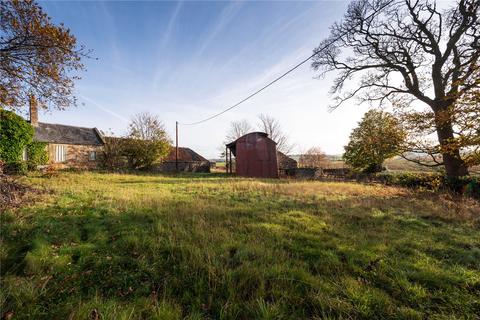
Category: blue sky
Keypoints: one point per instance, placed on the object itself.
(188, 60)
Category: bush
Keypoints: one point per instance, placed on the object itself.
(472, 189)
(112, 156)
(37, 154)
(468, 186)
(15, 135)
(426, 181)
(142, 154)
(16, 168)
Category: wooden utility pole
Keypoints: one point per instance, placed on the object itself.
(226, 159)
(176, 145)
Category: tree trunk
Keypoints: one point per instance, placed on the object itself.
(453, 162)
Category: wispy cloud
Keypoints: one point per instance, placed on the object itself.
(111, 28)
(103, 108)
(225, 17)
(269, 34)
(171, 25)
(167, 35)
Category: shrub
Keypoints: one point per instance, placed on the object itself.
(16, 135)
(427, 181)
(112, 156)
(15, 168)
(142, 154)
(37, 154)
(472, 188)
(468, 186)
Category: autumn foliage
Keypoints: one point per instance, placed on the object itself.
(37, 57)
(377, 138)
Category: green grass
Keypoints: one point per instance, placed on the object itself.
(210, 247)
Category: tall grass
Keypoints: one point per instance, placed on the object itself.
(209, 247)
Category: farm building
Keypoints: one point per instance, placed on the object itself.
(286, 165)
(255, 156)
(188, 161)
(83, 148)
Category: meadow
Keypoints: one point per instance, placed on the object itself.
(125, 246)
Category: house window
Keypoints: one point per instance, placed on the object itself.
(93, 155)
(60, 153)
(24, 154)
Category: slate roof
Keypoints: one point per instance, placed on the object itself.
(184, 155)
(59, 133)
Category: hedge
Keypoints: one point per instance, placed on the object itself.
(468, 185)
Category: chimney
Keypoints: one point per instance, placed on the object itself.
(33, 111)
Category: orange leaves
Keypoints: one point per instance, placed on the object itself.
(37, 57)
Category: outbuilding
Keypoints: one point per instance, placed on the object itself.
(255, 156)
(188, 161)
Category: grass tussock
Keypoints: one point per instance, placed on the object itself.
(116, 246)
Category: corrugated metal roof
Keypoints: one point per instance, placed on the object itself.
(63, 134)
(252, 135)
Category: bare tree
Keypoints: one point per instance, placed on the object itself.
(313, 158)
(272, 127)
(406, 51)
(146, 126)
(237, 129)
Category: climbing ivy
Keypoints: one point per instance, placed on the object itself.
(36, 154)
(15, 135)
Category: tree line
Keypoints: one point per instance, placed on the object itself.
(408, 56)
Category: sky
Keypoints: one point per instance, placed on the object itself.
(185, 61)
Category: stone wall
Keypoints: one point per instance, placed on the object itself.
(78, 156)
(308, 173)
(183, 166)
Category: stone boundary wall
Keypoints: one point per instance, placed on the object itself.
(183, 166)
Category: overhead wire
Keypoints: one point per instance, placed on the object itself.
(316, 52)
(253, 94)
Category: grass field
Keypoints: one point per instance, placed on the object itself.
(111, 246)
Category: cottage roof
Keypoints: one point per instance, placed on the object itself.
(59, 133)
(184, 155)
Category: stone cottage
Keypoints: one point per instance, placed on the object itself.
(82, 148)
(68, 146)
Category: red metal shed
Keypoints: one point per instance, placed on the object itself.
(255, 155)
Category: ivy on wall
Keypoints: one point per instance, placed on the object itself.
(36, 154)
(16, 135)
